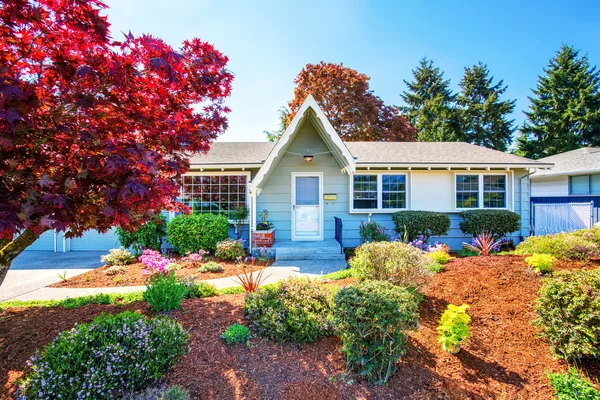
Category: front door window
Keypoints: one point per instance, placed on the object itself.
(307, 208)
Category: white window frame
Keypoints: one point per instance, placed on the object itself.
(507, 194)
(379, 208)
(247, 174)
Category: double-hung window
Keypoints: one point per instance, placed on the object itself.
(379, 192)
(481, 191)
(215, 194)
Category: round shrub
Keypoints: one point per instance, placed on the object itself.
(230, 249)
(147, 236)
(211, 266)
(569, 313)
(565, 246)
(194, 232)
(371, 318)
(295, 310)
(112, 355)
(117, 257)
(412, 224)
(498, 223)
(396, 262)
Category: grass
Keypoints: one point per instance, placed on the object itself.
(74, 302)
(337, 275)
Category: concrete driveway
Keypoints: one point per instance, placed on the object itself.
(33, 270)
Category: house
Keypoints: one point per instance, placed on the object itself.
(310, 176)
(574, 179)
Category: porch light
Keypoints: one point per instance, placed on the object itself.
(308, 158)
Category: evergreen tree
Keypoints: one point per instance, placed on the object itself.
(429, 105)
(565, 109)
(274, 136)
(483, 115)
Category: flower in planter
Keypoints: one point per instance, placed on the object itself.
(264, 225)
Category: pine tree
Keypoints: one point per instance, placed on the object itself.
(429, 104)
(564, 113)
(483, 115)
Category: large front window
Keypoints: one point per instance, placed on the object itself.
(215, 194)
(480, 191)
(584, 184)
(379, 191)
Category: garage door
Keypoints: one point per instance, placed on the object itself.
(92, 240)
(44, 242)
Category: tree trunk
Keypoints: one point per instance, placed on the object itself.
(10, 250)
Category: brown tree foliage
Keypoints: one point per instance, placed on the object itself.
(354, 111)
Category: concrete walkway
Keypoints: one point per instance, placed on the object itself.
(34, 270)
(271, 275)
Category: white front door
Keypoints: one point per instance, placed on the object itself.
(307, 207)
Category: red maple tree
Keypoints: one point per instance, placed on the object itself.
(95, 132)
(350, 105)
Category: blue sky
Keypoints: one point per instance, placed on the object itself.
(268, 42)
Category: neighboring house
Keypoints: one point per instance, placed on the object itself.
(575, 178)
(311, 176)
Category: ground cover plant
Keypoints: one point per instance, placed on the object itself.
(118, 257)
(236, 334)
(110, 356)
(295, 310)
(453, 329)
(571, 385)
(568, 312)
(211, 266)
(371, 319)
(565, 246)
(541, 263)
(396, 262)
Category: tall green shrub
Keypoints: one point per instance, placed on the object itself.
(396, 262)
(498, 223)
(112, 355)
(193, 232)
(147, 236)
(569, 313)
(370, 318)
(165, 292)
(412, 224)
(295, 310)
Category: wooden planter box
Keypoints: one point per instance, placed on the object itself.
(263, 238)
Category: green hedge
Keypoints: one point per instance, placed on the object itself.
(147, 236)
(193, 232)
(412, 224)
(499, 223)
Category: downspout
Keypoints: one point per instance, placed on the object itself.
(521, 238)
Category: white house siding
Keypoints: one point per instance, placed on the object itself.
(550, 186)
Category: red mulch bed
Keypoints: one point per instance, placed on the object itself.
(503, 359)
(133, 275)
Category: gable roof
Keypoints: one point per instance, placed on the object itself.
(372, 153)
(580, 161)
(309, 111)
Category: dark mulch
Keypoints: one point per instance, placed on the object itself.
(504, 358)
(132, 276)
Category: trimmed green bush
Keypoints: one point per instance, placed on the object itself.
(412, 224)
(236, 334)
(112, 355)
(147, 236)
(569, 313)
(194, 232)
(230, 249)
(396, 262)
(165, 292)
(296, 310)
(370, 318)
(571, 385)
(565, 246)
(498, 223)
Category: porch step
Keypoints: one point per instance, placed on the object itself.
(326, 251)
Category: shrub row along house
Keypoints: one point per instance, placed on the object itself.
(310, 177)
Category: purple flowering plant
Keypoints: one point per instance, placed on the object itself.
(155, 263)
